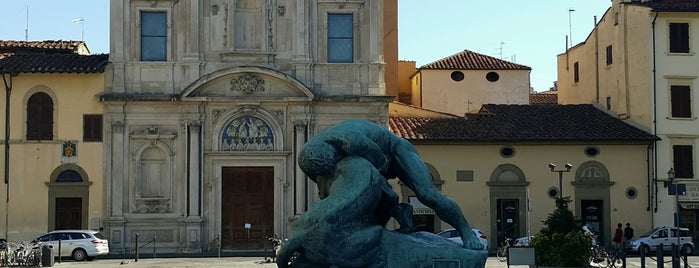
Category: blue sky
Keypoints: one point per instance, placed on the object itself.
(531, 32)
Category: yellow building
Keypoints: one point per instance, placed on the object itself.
(639, 62)
(462, 82)
(53, 175)
(494, 164)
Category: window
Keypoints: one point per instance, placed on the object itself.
(340, 39)
(679, 37)
(92, 127)
(492, 76)
(683, 163)
(153, 36)
(457, 76)
(40, 117)
(576, 72)
(152, 173)
(609, 55)
(680, 101)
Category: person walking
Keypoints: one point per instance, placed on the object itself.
(628, 233)
(618, 236)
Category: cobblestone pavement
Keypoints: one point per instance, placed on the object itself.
(258, 262)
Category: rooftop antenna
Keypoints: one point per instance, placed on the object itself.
(80, 21)
(501, 43)
(26, 30)
(570, 27)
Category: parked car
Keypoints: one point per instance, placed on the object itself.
(524, 241)
(78, 244)
(662, 235)
(453, 235)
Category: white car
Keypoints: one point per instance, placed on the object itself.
(524, 241)
(78, 244)
(453, 235)
(667, 236)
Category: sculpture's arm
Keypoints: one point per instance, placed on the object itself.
(355, 143)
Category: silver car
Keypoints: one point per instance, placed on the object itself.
(78, 244)
(662, 235)
(453, 235)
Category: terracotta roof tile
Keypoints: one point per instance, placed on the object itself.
(54, 63)
(670, 5)
(13, 46)
(543, 98)
(522, 123)
(469, 60)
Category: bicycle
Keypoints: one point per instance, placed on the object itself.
(502, 252)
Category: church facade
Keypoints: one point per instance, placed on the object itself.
(207, 104)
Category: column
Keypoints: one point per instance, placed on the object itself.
(194, 169)
(116, 222)
(300, 180)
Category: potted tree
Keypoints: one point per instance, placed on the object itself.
(561, 243)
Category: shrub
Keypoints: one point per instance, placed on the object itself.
(561, 242)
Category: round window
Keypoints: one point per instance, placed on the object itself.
(631, 193)
(507, 151)
(457, 76)
(552, 192)
(492, 76)
(591, 151)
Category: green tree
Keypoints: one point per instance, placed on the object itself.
(561, 242)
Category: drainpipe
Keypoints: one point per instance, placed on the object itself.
(7, 80)
(655, 118)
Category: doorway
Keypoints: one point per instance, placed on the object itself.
(247, 199)
(507, 219)
(68, 213)
(593, 216)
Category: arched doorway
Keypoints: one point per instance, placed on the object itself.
(592, 198)
(508, 196)
(69, 196)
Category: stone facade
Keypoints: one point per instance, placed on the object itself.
(207, 104)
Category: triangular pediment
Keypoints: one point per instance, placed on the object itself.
(249, 82)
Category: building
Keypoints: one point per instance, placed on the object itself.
(53, 168)
(462, 82)
(639, 62)
(208, 103)
(495, 165)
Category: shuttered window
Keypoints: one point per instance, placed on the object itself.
(40, 117)
(683, 161)
(679, 37)
(92, 127)
(680, 101)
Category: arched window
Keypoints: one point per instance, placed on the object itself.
(40, 117)
(69, 176)
(152, 173)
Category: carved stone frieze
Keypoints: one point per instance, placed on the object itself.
(152, 206)
(248, 84)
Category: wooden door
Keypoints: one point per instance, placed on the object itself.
(247, 200)
(69, 213)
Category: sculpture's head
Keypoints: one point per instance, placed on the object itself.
(318, 158)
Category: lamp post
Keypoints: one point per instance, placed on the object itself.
(671, 178)
(568, 166)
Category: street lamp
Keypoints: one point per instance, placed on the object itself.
(671, 178)
(568, 166)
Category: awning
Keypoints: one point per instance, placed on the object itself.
(689, 205)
